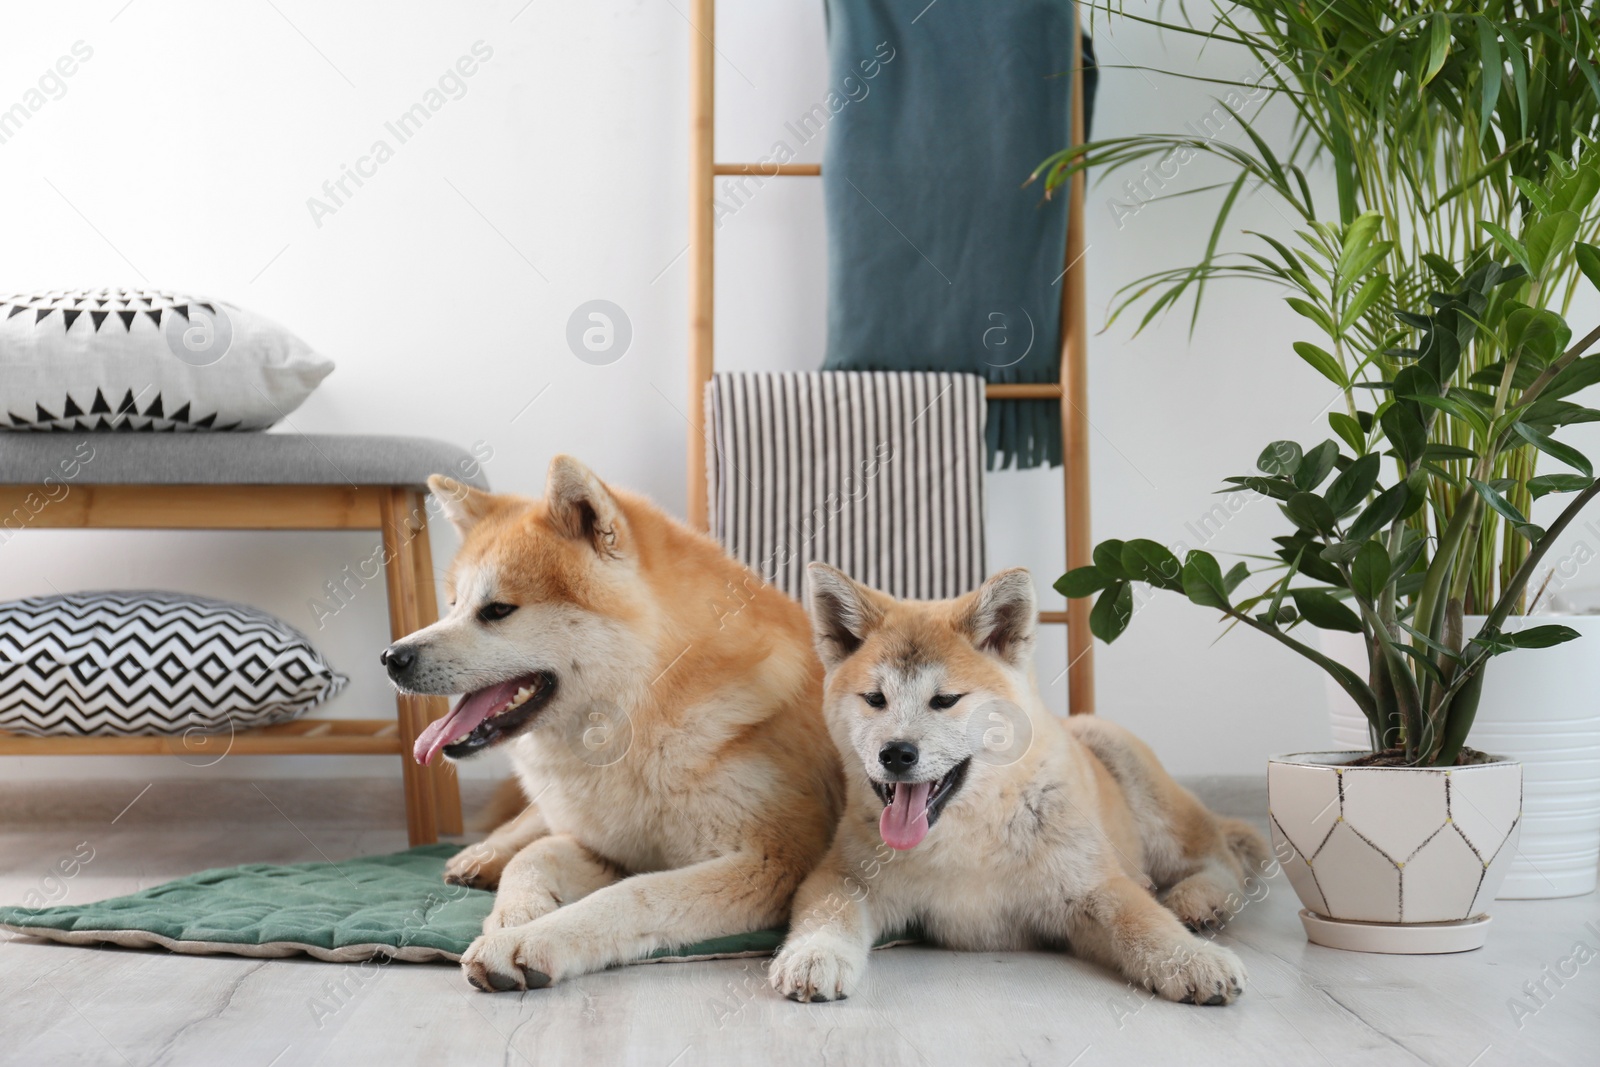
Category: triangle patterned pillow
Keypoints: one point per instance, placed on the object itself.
(146, 359)
(138, 663)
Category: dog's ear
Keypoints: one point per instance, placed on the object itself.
(1001, 618)
(843, 613)
(463, 505)
(581, 507)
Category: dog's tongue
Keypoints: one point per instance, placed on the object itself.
(469, 711)
(904, 823)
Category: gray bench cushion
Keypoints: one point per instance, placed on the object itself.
(233, 459)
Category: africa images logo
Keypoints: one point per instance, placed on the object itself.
(451, 85)
(201, 337)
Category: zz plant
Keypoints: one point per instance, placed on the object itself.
(1359, 557)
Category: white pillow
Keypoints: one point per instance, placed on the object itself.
(124, 663)
(146, 359)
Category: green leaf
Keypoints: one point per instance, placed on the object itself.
(1407, 557)
(1275, 611)
(1355, 268)
(1353, 484)
(1149, 561)
(1277, 488)
(1112, 612)
(1522, 375)
(1557, 483)
(1442, 269)
(1358, 235)
(1418, 485)
(1341, 552)
(1316, 465)
(1456, 407)
(1579, 374)
(1535, 194)
(1547, 240)
(1536, 332)
(1082, 582)
(1492, 497)
(1493, 72)
(1439, 451)
(1202, 580)
(1370, 572)
(1323, 361)
(1374, 288)
(1541, 636)
(1281, 458)
(1310, 512)
(1216, 235)
(1405, 432)
(1312, 312)
(1574, 188)
(1314, 566)
(1558, 413)
(1534, 637)
(1381, 512)
(1108, 557)
(1324, 612)
(1430, 644)
(1438, 46)
(1565, 453)
(1507, 510)
(1236, 575)
(1519, 82)
(1509, 244)
(1349, 430)
(1588, 257)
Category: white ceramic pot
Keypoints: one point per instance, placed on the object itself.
(1540, 707)
(1393, 859)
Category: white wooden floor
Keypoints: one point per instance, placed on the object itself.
(1305, 1005)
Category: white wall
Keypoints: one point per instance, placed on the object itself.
(184, 151)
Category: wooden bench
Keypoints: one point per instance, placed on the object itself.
(256, 481)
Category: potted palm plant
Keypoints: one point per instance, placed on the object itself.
(1399, 849)
(1444, 128)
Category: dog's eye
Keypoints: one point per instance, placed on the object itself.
(944, 701)
(494, 611)
(875, 700)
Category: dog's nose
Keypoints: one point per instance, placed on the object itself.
(898, 757)
(398, 658)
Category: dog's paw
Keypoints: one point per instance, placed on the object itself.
(503, 962)
(1201, 973)
(518, 910)
(1200, 904)
(814, 972)
(476, 867)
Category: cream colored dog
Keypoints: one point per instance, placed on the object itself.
(1003, 829)
(661, 703)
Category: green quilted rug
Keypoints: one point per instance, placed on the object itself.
(396, 906)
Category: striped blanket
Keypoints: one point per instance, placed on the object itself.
(879, 474)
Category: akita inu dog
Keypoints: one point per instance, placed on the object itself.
(1064, 835)
(660, 702)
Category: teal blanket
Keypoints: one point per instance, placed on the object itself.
(938, 258)
(395, 906)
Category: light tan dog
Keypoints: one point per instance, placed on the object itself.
(970, 811)
(660, 702)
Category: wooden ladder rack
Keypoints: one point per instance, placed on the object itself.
(1072, 390)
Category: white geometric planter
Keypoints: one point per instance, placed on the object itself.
(1393, 859)
(1541, 708)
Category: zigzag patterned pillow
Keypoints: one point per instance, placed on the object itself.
(146, 359)
(124, 663)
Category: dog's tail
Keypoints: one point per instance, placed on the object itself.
(1248, 846)
(507, 802)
